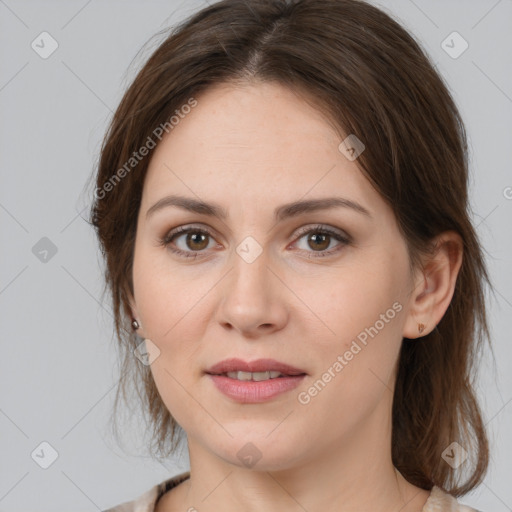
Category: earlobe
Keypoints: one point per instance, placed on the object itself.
(133, 311)
(137, 327)
(435, 287)
(135, 323)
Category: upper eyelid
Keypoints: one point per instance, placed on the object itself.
(305, 228)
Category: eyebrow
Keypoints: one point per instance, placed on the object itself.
(280, 213)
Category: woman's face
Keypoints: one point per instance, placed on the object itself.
(254, 286)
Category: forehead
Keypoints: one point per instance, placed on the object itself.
(257, 143)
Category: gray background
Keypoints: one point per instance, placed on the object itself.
(58, 366)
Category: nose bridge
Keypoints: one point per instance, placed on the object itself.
(250, 279)
(250, 295)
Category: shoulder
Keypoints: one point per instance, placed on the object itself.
(441, 501)
(146, 502)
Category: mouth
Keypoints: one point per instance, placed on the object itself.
(254, 376)
(261, 369)
(256, 381)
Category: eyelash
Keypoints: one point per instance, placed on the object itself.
(169, 237)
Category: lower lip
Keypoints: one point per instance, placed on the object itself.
(247, 391)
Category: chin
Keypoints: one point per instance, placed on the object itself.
(259, 453)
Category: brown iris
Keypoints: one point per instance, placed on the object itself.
(197, 238)
(316, 237)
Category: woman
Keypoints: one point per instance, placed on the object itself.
(282, 204)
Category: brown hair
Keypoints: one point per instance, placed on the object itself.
(370, 78)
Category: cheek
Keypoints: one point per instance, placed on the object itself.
(354, 373)
(175, 371)
(362, 300)
(173, 317)
(362, 318)
(168, 297)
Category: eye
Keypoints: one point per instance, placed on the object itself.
(195, 241)
(320, 237)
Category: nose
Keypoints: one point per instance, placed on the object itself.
(253, 298)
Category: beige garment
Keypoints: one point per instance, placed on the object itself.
(438, 501)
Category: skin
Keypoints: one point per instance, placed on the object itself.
(252, 148)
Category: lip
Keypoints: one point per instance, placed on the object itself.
(247, 392)
(259, 365)
(254, 391)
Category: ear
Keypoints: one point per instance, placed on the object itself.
(434, 285)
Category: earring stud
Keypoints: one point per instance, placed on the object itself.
(421, 328)
(135, 325)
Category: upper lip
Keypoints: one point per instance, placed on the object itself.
(259, 365)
